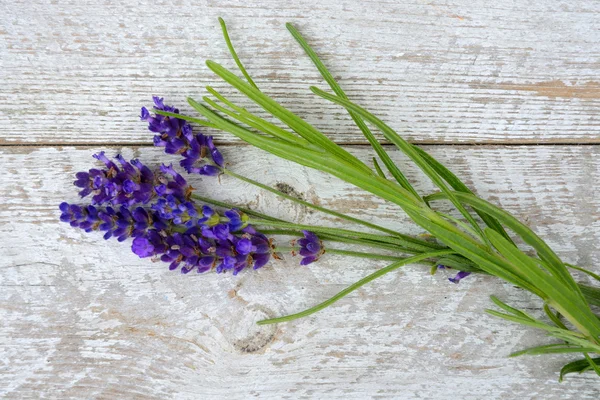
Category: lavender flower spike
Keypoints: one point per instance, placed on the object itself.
(200, 156)
(121, 224)
(129, 184)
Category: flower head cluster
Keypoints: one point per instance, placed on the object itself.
(156, 209)
(176, 136)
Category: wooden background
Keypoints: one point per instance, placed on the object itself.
(505, 93)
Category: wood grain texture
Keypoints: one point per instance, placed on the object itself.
(459, 71)
(85, 318)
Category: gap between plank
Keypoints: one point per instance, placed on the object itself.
(351, 144)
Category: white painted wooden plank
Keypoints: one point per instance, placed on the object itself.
(457, 71)
(85, 318)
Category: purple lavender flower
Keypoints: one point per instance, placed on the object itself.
(176, 136)
(172, 208)
(219, 232)
(311, 248)
(261, 250)
(78, 216)
(146, 219)
(209, 217)
(172, 183)
(237, 219)
(152, 243)
(242, 252)
(142, 247)
(460, 275)
(89, 181)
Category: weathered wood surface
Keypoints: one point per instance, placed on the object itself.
(450, 72)
(85, 318)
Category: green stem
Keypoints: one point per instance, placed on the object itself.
(298, 232)
(410, 244)
(453, 260)
(366, 242)
(353, 287)
(359, 254)
(310, 205)
(198, 121)
(227, 205)
(334, 238)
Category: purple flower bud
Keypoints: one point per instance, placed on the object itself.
(205, 263)
(142, 247)
(244, 246)
(237, 219)
(145, 115)
(311, 248)
(130, 186)
(459, 276)
(226, 264)
(260, 260)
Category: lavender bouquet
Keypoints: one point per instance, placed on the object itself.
(168, 220)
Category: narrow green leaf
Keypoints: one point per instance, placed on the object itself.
(460, 223)
(591, 294)
(585, 271)
(576, 366)
(353, 287)
(554, 317)
(563, 299)
(408, 149)
(234, 54)
(522, 321)
(378, 168)
(558, 348)
(387, 161)
(510, 309)
(297, 124)
(459, 186)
